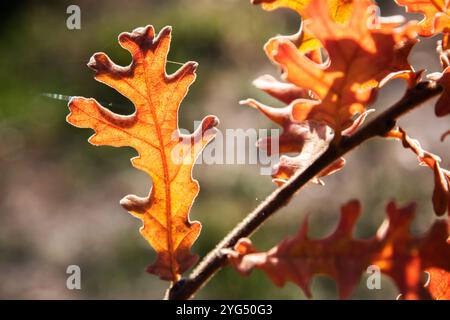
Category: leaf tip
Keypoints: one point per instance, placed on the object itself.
(99, 62)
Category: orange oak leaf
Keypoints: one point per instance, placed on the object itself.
(152, 130)
(362, 57)
(441, 193)
(307, 138)
(436, 14)
(394, 251)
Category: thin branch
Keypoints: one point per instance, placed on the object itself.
(380, 126)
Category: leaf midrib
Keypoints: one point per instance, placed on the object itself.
(166, 176)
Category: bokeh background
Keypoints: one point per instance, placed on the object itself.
(59, 196)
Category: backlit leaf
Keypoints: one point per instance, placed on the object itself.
(152, 130)
(362, 56)
(397, 253)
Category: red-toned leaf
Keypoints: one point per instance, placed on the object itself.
(393, 250)
(307, 138)
(152, 130)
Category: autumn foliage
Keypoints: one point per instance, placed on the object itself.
(150, 130)
(332, 70)
(394, 250)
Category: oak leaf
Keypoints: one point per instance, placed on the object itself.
(152, 130)
(310, 136)
(362, 57)
(393, 250)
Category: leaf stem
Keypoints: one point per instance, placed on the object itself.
(380, 126)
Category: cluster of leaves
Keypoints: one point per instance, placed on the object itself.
(332, 70)
(397, 254)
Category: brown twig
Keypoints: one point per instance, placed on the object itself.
(380, 126)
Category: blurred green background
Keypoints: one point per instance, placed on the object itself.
(59, 196)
